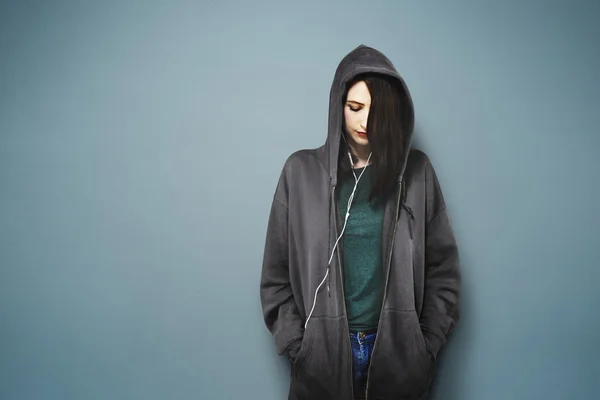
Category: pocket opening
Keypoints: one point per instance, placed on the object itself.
(304, 351)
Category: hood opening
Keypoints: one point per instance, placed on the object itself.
(362, 60)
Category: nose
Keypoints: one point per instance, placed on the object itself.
(363, 122)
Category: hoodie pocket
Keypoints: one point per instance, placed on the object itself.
(401, 365)
(323, 368)
(420, 339)
(303, 353)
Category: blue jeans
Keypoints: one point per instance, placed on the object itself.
(362, 348)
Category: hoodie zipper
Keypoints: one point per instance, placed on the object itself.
(386, 284)
(339, 260)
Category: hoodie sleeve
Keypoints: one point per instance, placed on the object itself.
(440, 311)
(278, 304)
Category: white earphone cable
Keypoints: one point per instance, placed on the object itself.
(350, 199)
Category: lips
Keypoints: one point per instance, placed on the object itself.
(362, 134)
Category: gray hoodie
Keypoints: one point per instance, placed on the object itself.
(420, 259)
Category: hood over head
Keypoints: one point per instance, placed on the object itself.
(363, 59)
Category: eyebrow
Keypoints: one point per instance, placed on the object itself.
(355, 102)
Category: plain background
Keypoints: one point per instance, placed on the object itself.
(140, 144)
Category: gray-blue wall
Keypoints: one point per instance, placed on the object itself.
(140, 144)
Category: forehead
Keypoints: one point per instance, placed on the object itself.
(359, 92)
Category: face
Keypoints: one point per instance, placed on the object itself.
(356, 114)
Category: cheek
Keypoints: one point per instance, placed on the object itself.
(349, 118)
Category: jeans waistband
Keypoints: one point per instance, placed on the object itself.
(364, 333)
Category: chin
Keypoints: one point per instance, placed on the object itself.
(360, 141)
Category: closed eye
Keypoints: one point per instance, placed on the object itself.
(354, 105)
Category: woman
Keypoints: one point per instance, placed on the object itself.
(361, 280)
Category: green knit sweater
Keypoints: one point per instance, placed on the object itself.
(362, 263)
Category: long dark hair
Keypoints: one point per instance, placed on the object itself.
(386, 127)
